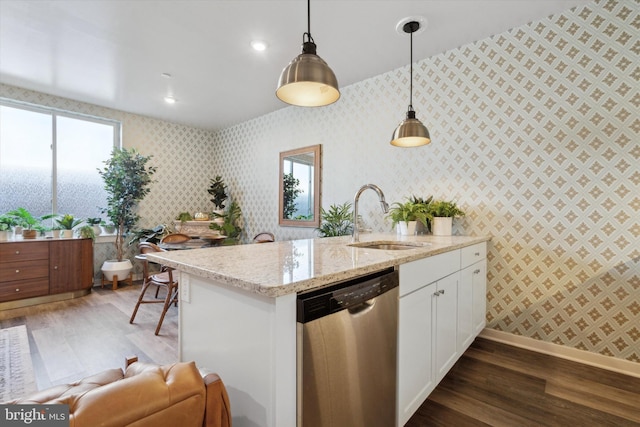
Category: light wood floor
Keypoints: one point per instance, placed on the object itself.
(75, 338)
(491, 385)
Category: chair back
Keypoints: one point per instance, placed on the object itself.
(264, 237)
(148, 247)
(175, 238)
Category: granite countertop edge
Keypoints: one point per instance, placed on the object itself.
(181, 260)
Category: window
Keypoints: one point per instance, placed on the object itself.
(49, 160)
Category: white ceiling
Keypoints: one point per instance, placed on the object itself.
(112, 52)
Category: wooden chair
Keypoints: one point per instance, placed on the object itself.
(264, 237)
(163, 279)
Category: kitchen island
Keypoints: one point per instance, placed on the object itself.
(238, 308)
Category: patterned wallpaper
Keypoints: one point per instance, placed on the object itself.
(535, 134)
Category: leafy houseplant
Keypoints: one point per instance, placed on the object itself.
(7, 222)
(443, 212)
(337, 221)
(230, 227)
(30, 224)
(404, 213)
(87, 232)
(219, 192)
(67, 223)
(426, 202)
(126, 179)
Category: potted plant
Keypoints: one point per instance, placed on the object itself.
(230, 226)
(7, 222)
(67, 223)
(406, 215)
(95, 224)
(108, 228)
(219, 192)
(443, 212)
(420, 228)
(337, 221)
(126, 179)
(55, 231)
(87, 232)
(30, 224)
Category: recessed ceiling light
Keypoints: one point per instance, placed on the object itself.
(169, 100)
(259, 45)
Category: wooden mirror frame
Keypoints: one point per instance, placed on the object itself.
(316, 150)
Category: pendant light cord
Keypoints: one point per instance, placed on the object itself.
(308, 33)
(411, 73)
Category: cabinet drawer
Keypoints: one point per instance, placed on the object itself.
(472, 254)
(23, 270)
(20, 289)
(15, 252)
(416, 274)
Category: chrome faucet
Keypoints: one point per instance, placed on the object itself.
(383, 204)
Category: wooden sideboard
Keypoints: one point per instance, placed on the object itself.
(44, 270)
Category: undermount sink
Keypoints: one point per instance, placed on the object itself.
(390, 245)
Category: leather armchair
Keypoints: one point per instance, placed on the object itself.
(142, 395)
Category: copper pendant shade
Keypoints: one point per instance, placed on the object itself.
(308, 81)
(411, 132)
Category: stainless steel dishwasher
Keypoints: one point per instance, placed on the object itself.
(347, 345)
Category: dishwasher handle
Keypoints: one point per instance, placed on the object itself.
(363, 308)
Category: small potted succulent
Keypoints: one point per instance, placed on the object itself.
(443, 212)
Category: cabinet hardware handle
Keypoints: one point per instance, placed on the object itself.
(55, 268)
(438, 293)
(476, 271)
(17, 289)
(442, 292)
(477, 254)
(17, 271)
(17, 252)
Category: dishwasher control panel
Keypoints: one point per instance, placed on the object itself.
(316, 304)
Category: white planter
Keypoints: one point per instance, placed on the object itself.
(96, 230)
(55, 234)
(407, 228)
(113, 267)
(441, 226)
(66, 234)
(6, 235)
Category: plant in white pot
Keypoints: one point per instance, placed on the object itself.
(443, 213)
(7, 222)
(67, 223)
(126, 179)
(406, 215)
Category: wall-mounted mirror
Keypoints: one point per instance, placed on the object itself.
(300, 172)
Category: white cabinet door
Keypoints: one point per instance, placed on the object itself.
(415, 336)
(479, 283)
(466, 325)
(446, 324)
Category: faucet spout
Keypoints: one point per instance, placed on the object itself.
(383, 204)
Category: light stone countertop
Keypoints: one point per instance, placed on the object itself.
(293, 266)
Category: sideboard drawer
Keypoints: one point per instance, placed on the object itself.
(23, 270)
(10, 291)
(15, 252)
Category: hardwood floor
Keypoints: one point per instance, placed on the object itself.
(75, 338)
(496, 384)
(492, 384)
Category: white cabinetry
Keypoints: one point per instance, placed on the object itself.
(441, 310)
(472, 303)
(428, 290)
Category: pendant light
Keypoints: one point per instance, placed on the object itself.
(308, 81)
(411, 132)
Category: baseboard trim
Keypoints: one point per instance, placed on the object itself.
(586, 357)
